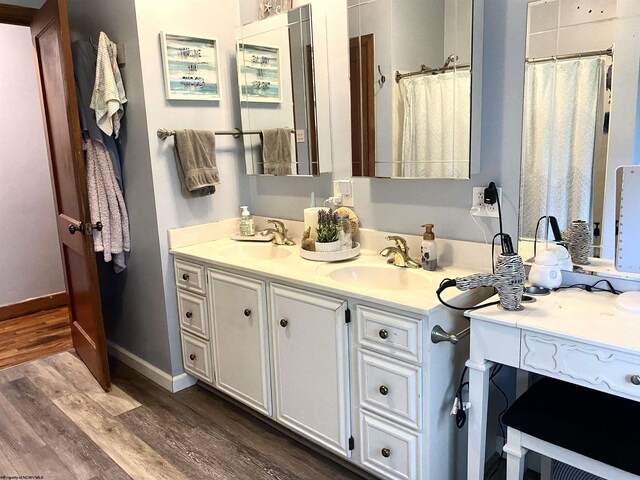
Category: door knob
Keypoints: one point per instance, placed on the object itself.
(97, 226)
(188, 314)
(384, 390)
(386, 453)
(284, 323)
(192, 356)
(383, 334)
(185, 276)
(635, 379)
(247, 312)
(73, 229)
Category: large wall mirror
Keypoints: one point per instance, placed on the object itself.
(411, 87)
(581, 83)
(279, 95)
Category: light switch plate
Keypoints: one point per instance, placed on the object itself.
(344, 190)
(481, 209)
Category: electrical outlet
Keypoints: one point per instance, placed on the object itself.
(344, 190)
(300, 136)
(481, 209)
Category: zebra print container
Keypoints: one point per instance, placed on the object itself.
(579, 242)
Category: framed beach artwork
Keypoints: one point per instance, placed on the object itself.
(259, 73)
(191, 67)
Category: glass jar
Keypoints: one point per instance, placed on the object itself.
(345, 234)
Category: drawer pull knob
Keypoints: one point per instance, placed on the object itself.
(192, 356)
(188, 314)
(635, 379)
(383, 334)
(247, 312)
(284, 323)
(185, 277)
(384, 390)
(386, 453)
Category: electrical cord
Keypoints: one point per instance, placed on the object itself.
(592, 288)
(494, 468)
(461, 415)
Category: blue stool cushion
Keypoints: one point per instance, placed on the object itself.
(597, 425)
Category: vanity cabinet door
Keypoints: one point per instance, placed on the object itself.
(240, 339)
(310, 366)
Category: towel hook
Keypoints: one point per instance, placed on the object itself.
(382, 77)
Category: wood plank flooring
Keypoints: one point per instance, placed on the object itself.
(56, 422)
(34, 336)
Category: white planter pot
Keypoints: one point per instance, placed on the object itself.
(328, 247)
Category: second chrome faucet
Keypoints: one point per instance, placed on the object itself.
(398, 255)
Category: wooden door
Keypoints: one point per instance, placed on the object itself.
(241, 346)
(363, 113)
(50, 33)
(311, 366)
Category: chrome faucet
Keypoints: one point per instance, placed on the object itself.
(399, 254)
(279, 233)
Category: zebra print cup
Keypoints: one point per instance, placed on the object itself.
(579, 242)
(508, 280)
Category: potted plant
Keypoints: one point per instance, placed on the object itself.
(327, 231)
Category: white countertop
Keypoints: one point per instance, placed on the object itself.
(576, 314)
(316, 275)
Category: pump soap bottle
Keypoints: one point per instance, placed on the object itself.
(429, 248)
(247, 227)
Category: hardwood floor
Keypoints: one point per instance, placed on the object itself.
(34, 336)
(58, 423)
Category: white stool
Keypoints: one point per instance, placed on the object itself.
(590, 430)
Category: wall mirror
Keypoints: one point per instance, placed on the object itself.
(283, 129)
(579, 115)
(413, 86)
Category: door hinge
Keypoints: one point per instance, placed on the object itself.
(347, 316)
(352, 443)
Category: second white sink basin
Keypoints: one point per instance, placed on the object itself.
(254, 251)
(380, 277)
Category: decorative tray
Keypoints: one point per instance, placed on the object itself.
(258, 237)
(338, 256)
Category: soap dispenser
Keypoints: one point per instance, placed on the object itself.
(429, 248)
(247, 227)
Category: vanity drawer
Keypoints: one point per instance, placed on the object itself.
(388, 450)
(388, 333)
(190, 277)
(196, 356)
(587, 365)
(390, 388)
(192, 310)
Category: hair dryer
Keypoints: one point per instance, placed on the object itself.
(508, 280)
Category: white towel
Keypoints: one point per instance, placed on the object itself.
(435, 132)
(108, 91)
(107, 206)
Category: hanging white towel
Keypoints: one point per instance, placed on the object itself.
(108, 91)
(107, 206)
(558, 140)
(436, 126)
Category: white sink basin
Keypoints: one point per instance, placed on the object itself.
(262, 251)
(380, 277)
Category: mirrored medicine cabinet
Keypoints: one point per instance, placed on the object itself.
(579, 118)
(283, 90)
(415, 76)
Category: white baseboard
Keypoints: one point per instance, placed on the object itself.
(153, 373)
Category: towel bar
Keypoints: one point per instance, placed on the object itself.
(163, 133)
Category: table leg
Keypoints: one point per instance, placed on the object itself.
(477, 417)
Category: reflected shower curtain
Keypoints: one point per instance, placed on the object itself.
(558, 141)
(436, 127)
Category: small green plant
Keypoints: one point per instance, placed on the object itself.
(327, 228)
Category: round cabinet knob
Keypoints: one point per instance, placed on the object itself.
(192, 356)
(386, 453)
(635, 379)
(384, 390)
(383, 334)
(247, 312)
(188, 314)
(284, 323)
(185, 276)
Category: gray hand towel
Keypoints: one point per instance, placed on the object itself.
(196, 162)
(276, 151)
